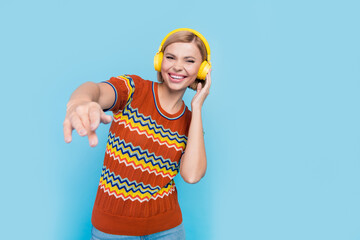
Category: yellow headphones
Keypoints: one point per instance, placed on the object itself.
(205, 65)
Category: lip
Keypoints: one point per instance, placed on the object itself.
(176, 80)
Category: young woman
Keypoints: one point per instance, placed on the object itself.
(153, 136)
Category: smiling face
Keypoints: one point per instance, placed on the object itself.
(180, 65)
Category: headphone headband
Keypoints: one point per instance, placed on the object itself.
(194, 32)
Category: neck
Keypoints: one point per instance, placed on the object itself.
(170, 101)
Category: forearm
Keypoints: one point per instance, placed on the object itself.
(193, 161)
(87, 92)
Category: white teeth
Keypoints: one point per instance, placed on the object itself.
(177, 77)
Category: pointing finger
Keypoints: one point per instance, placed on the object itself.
(85, 121)
(67, 130)
(93, 139)
(78, 125)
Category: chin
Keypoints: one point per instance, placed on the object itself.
(177, 86)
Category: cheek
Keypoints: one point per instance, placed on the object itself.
(163, 74)
(165, 64)
(193, 69)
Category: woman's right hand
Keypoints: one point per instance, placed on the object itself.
(84, 117)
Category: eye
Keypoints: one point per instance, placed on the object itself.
(190, 61)
(169, 57)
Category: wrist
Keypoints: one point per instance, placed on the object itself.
(195, 109)
(197, 104)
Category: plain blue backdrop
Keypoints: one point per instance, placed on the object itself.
(281, 123)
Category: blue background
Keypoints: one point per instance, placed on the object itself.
(281, 123)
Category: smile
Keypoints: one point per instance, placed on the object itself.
(176, 78)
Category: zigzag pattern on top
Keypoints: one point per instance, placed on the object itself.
(125, 183)
(140, 158)
(122, 187)
(136, 121)
(130, 86)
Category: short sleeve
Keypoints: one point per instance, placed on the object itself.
(124, 88)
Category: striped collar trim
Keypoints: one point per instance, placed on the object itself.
(161, 111)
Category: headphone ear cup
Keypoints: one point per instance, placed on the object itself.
(203, 70)
(158, 60)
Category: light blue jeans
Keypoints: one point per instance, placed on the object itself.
(176, 233)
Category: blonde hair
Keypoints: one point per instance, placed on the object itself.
(185, 37)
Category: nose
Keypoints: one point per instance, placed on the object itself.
(178, 66)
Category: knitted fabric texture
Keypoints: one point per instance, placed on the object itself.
(137, 194)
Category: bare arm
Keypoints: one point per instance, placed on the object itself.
(193, 162)
(85, 110)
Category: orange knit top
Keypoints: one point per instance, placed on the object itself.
(137, 194)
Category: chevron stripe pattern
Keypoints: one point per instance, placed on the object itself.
(136, 121)
(131, 190)
(129, 83)
(142, 152)
(139, 158)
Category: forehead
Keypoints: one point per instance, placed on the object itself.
(186, 49)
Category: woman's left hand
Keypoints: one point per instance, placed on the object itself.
(201, 93)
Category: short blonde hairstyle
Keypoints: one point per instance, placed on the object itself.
(185, 37)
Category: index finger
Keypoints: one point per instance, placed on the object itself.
(67, 130)
(208, 79)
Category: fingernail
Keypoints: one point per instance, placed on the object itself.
(82, 132)
(67, 140)
(93, 143)
(93, 126)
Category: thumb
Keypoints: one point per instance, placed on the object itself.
(105, 118)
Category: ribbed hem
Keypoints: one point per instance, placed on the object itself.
(120, 225)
